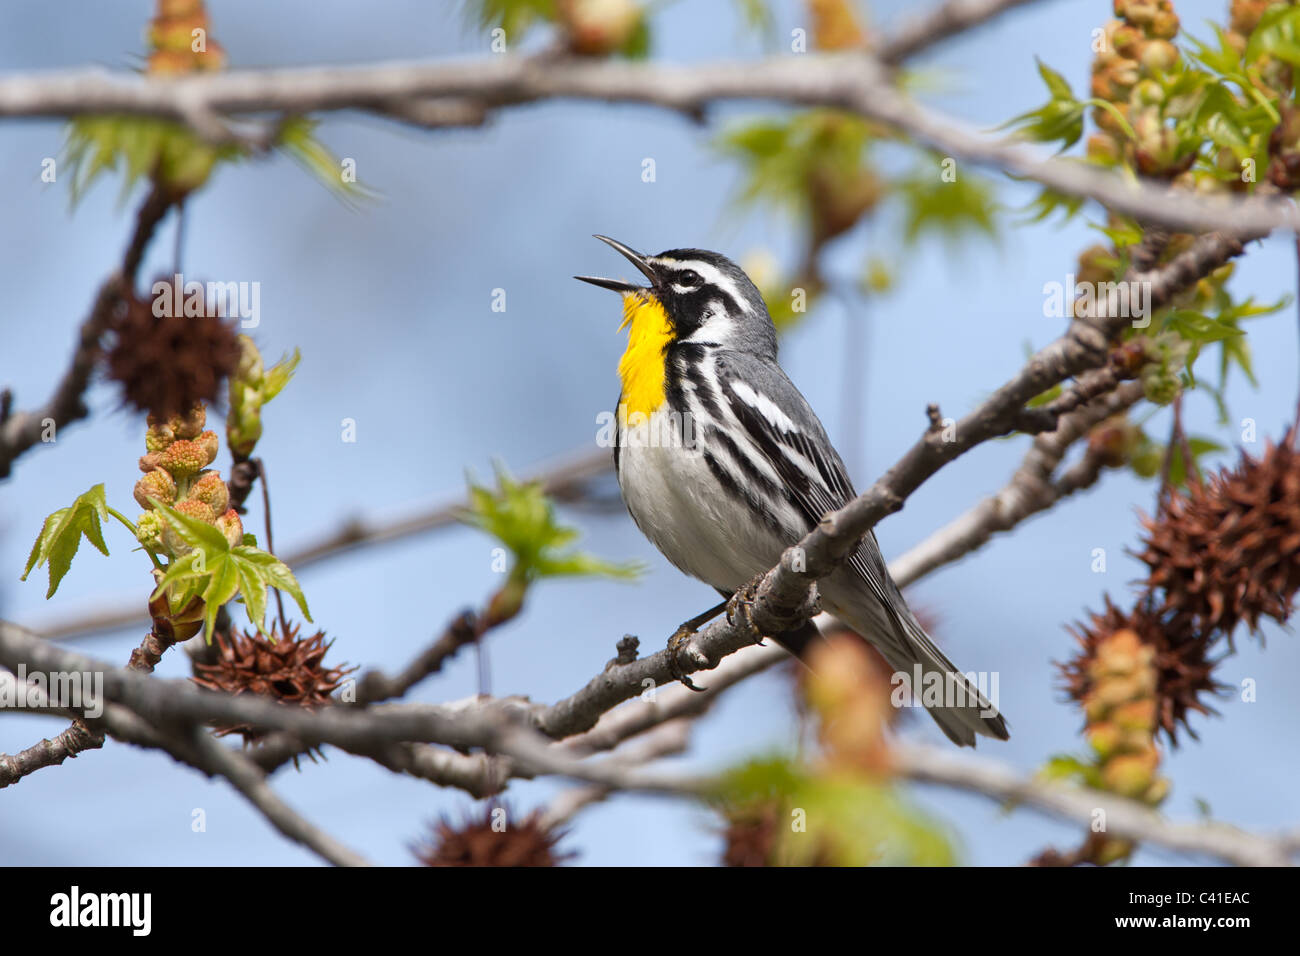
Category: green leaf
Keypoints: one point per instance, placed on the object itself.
(61, 535)
(219, 572)
(851, 819)
(1063, 767)
(278, 376)
(298, 140)
(253, 590)
(146, 147)
(1199, 448)
(965, 205)
(1057, 85)
(272, 572)
(1060, 119)
(1197, 327)
(1121, 231)
(520, 516)
(194, 531)
(785, 160)
(516, 17)
(1223, 59)
(637, 46)
(1277, 34)
(222, 586)
(1147, 457)
(181, 570)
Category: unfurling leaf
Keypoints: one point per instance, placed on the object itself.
(219, 573)
(521, 517)
(61, 536)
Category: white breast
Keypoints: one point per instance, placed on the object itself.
(685, 511)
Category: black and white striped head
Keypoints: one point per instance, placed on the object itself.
(708, 298)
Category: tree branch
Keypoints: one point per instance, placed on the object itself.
(21, 431)
(853, 82)
(1030, 490)
(948, 19)
(1123, 818)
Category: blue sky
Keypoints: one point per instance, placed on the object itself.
(390, 305)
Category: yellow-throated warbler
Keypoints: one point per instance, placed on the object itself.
(723, 464)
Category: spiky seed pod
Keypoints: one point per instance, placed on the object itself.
(492, 838)
(284, 668)
(1182, 671)
(1228, 550)
(166, 365)
(156, 484)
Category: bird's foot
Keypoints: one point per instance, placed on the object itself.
(675, 644)
(678, 641)
(740, 606)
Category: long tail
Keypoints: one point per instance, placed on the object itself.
(895, 632)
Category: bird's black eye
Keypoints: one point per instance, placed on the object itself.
(689, 277)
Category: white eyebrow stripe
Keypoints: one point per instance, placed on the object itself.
(713, 276)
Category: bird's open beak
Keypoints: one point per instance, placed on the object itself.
(632, 256)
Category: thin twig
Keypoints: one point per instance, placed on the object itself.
(270, 545)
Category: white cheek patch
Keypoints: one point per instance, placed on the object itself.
(764, 406)
(718, 326)
(683, 289)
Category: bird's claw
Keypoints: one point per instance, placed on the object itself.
(675, 645)
(741, 605)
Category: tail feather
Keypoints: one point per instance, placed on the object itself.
(960, 722)
(895, 632)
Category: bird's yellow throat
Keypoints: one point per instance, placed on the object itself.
(642, 366)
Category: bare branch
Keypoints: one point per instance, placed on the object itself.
(1124, 818)
(940, 23)
(852, 82)
(669, 738)
(22, 430)
(48, 753)
(251, 783)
